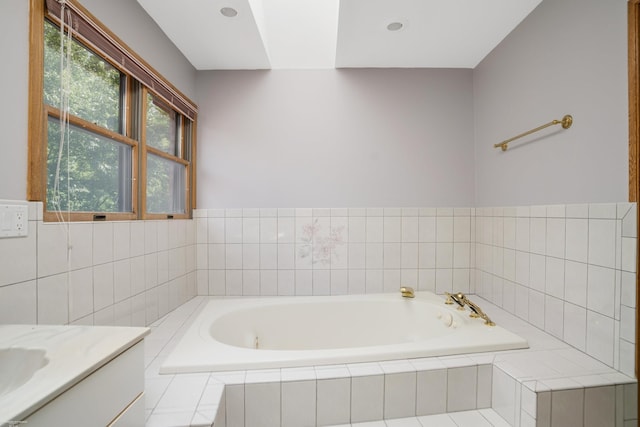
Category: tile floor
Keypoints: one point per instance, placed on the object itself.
(479, 418)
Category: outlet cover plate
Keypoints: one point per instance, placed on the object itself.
(14, 218)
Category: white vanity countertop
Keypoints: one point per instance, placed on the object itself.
(72, 352)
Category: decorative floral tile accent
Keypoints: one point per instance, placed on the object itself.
(321, 248)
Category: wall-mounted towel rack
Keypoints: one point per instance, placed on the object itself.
(566, 123)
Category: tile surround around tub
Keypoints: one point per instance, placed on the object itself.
(566, 269)
(333, 251)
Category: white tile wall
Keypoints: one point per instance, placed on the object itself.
(400, 395)
(333, 401)
(600, 406)
(573, 272)
(567, 408)
(576, 282)
(18, 303)
(298, 403)
(461, 388)
(431, 392)
(53, 300)
(504, 395)
(367, 398)
(124, 273)
(262, 404)
(365, 250)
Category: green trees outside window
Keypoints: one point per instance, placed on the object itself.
(112, 145)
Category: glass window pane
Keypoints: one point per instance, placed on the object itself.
(89, 174)
(161, 126)
(93, 85)
(165, 185)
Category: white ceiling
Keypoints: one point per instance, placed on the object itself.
(298, 34)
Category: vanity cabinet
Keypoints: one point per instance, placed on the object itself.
(113, 395)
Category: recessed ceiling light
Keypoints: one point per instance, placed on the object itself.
(395, 26)
(229, 12)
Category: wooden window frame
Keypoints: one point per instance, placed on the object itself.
(148, 149)
(132, 136)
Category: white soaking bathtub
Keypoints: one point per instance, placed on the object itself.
(278, 332)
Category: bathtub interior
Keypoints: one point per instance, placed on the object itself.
(278, 332)
(344, 324)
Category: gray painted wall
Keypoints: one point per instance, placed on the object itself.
(386, 137)
(335, 138)
(567, 57)
(14, 45)
(125, 18)
(128, 20)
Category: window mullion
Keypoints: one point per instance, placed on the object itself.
(160, 153)
(141, 104)
(127, 174)
(54, 112)
(136, 97)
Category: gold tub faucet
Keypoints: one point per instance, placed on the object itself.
(407, 292)
(462, 300)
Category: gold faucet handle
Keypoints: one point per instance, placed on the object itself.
(458, 298)
(407, 292)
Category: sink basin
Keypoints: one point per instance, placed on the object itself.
(17, 366)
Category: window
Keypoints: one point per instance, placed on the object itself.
(109, 139)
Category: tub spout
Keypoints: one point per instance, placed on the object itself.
(457, 298)
(407, 292)
(462, 300)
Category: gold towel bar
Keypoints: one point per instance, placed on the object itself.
(566, 123)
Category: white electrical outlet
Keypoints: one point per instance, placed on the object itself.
(14, 218)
